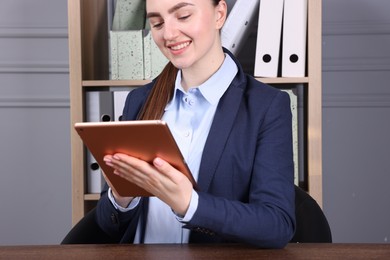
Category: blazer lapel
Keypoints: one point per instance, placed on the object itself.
(219, 133)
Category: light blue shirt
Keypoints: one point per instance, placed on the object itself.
(189, 116)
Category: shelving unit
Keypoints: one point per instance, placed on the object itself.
(88, 61)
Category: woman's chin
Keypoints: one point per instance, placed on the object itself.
(180, 65)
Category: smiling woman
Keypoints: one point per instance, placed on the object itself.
(233, 131)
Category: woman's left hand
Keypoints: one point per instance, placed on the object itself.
(160, 179)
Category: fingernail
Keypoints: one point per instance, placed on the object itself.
(109, 163)
(158, 162)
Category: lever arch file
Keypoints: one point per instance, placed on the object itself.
(294, 38)
(269, 34)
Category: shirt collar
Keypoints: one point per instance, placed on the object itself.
(213, 88)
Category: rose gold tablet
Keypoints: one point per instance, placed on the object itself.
(144, 139)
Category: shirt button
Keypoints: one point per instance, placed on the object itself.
(187, 133)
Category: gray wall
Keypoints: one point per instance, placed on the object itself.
(35, 178)
(356, 121)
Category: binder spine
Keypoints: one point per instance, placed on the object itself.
(238, 24)
(99, 107)
(294, 38)
(269, 35)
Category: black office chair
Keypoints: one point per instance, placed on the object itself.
(87, 231)
(312, 225)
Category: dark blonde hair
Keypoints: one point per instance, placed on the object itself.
(162, 91)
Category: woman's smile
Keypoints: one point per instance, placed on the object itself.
(180, 46)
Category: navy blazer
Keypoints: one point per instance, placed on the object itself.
(246, 179)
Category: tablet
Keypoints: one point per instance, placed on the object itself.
(144, 139)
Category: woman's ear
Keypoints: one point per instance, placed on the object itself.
(221, 13)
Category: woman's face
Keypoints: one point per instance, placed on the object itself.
(187, 31)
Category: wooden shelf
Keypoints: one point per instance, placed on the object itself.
(113, 83)
(274, 81)
(93, 197)
(118, 83)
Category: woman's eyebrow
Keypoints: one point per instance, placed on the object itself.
(170, 10)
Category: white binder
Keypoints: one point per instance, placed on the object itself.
(294, 38)
(99, 107)
(119, 103)
(269, 34)
(95, 179)
(238, 24)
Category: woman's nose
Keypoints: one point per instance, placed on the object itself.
(171, 31)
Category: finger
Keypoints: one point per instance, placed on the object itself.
(108, 160)
(162, 166)
(121, 162)
(168, 170)
(131, 168)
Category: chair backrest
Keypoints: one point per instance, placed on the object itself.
(311, 223)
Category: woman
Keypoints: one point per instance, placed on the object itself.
(234, 132)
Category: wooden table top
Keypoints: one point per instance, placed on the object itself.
(228, 251)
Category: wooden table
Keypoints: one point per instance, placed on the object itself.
(233, 251)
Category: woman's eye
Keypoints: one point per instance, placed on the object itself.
(184, 17)
(157, 25)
